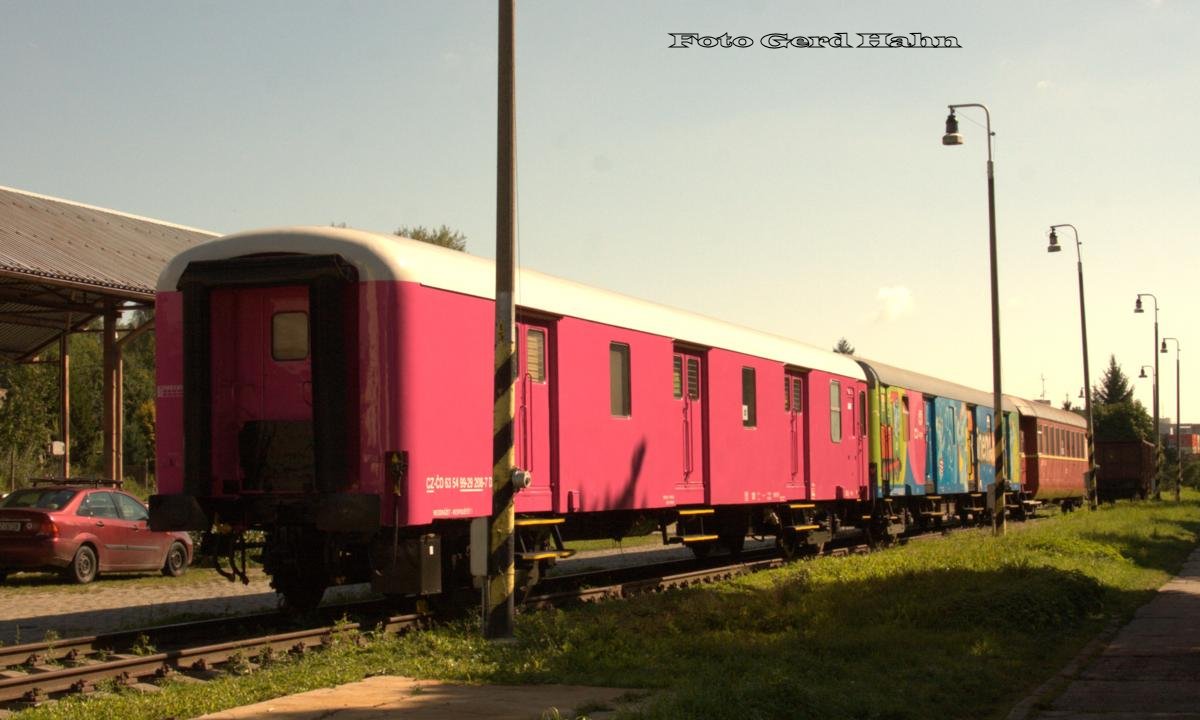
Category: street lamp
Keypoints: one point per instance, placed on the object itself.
(1178, 437)
(953, 137)
(1054, 247)
(1137, 308)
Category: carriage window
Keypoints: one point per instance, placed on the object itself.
(787, 393)
(749, 405)
(862, 413)
(535, 355)
(693, 379)
(835, 411)
(289, 336)
(618, 379)
(677, 377)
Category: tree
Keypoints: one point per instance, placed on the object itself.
(1122, 421)
(844, 347)
(1114, 386)
(443, 236)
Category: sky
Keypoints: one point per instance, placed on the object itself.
(799, 191)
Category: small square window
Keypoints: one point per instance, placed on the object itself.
(289, 336)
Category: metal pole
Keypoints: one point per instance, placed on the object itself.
(498, 605)
(1157, 433)
(109, 382)
(998, 514)
(1087, 383)
(1178, 437)
(64, 399)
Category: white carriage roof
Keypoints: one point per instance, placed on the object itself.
(389, 258)
(899, 377)
(1047, 412)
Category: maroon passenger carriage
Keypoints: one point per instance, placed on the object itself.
(333, 389)
(1053, 452)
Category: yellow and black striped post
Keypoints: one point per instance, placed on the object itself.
(499, 589)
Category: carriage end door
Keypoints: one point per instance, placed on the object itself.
(688, 392)
(532, 422)
(793, 403)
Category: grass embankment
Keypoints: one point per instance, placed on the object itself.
(959, 627)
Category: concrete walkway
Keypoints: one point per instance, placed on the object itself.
(398, 697)
(1151, 669)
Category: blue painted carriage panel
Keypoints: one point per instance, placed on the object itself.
(951, 437)
(985, 444)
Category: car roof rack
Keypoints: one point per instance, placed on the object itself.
(76, 482)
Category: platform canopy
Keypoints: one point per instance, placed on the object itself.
(62, 263)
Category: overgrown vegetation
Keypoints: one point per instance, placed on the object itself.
(29, 412)
(960, 627)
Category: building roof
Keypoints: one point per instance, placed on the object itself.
(389, 258)
(61, 261)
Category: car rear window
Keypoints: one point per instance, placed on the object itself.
(38, 499)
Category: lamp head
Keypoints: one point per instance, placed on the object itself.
(1080, 393)
(1054, 246)
(1137, 308)
(1142, 374)
(1164, 347)
(952, 136)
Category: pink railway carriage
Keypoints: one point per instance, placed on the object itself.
(333, 388)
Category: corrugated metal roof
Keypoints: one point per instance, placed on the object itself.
(45, 237)
(60, 261)
(1047, 412)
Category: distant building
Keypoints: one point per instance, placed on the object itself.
(1189, 434)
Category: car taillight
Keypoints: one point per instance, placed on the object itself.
(48, 528)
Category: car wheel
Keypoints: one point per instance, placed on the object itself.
(176, 563)
(83, 568)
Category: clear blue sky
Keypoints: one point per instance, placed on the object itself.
(799, 191)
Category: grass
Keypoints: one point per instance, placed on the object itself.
(960, 627)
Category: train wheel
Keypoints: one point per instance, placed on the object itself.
(788, 543)
(701, 549)
(734, 543)
(299, 594)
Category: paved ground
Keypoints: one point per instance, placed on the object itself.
(398, 697)
(132, 601)
(1150, 669)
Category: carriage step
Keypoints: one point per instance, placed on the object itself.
(1031, 503)
(933, 497)
(544, 555)
(933, 513)
(696, 511)
(801, 506)
(689, 539)
(534, 521)
(804, 528)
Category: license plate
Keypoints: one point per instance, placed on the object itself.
(8, 526)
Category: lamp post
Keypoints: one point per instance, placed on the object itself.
(1093, 492)
(1137, 308)
(1178, 438)
(953, 137)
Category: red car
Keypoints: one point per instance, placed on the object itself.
(83, 531)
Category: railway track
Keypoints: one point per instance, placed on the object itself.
(35, 673)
